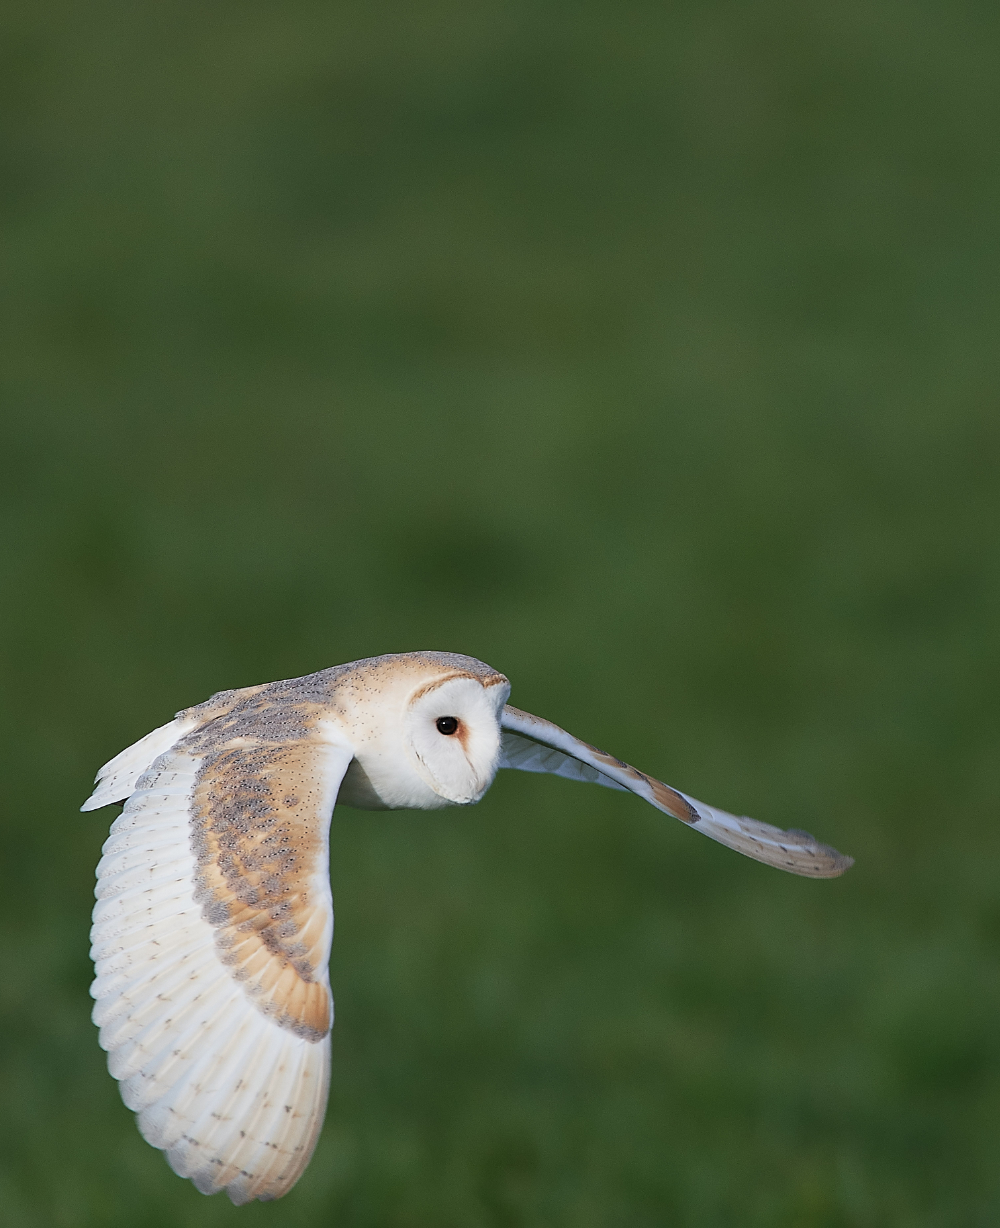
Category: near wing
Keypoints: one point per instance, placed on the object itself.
(536, 745)
(211, 941)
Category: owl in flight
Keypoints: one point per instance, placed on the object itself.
(212, 928)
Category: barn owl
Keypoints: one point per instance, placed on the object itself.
(212, 928)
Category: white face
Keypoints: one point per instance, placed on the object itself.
(452, 732)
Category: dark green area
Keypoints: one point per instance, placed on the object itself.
(649, 353)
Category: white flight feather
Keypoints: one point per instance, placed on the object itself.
(138, 880)
(145, 898)
(269, 1151)
(168, 1110)
(136, 1004)
(157, 852)
(145, 950)
(300, 1091)
(149, 897)
(148, 1030)
(125, 865)
(157, 936)
(133, 822)
(196, 1052)
(240, 1096)
(128, 848)
(207, 1072)
(147, 1046)
(264, 1122)
(234, 1095)
(119, 776)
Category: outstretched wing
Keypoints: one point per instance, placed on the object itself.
(536, 745)
(211, 940)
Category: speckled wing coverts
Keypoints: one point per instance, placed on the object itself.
(211, 939)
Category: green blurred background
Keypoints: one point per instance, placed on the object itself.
(649, 353)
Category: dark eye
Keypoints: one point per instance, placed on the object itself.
(446, 724)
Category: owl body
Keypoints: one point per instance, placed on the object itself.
(212, 930)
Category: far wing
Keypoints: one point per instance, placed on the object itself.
(211, 941)
(536, 745)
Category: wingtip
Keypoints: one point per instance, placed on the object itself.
(839, 863)
(96, 801)
(828, 863)
(842, 862)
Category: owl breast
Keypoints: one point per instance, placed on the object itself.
(383, 783)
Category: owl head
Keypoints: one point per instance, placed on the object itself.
(442, 711)
(451, 731)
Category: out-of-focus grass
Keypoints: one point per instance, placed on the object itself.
(648, 353)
